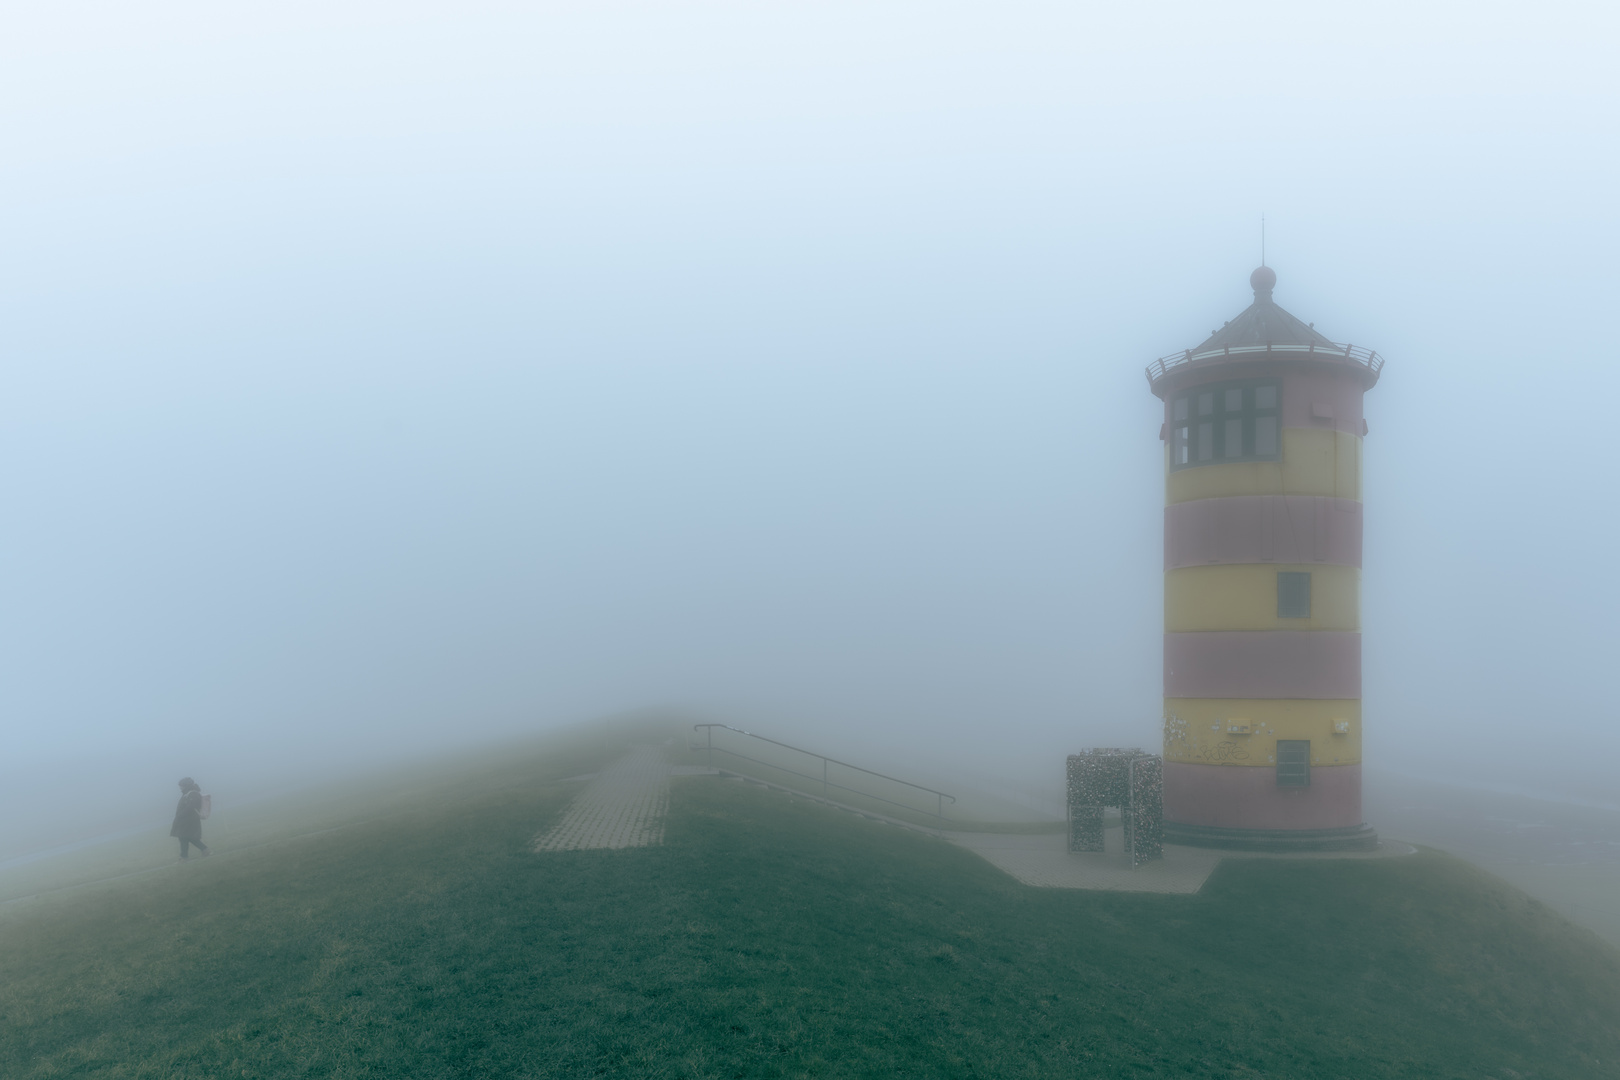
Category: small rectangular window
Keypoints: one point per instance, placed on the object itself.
(1265, 436)
(1181, 446)
(1293, 763)
(1265, 397)
(1181, 408)
(1206, 441)
(1234, 438)
(1234, 399)
(1206, 403)
(1293, 594)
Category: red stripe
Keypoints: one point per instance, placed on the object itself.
(1316, 664)
(1309, 392)
(1263, 529)
(1247, 797)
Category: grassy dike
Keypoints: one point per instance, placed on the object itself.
(773, 937)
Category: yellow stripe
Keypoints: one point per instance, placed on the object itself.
(1244, 597)
(1199, 730)
(1315, 461)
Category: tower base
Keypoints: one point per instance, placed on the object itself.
(1361, 837)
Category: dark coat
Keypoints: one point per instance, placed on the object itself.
(188, 817)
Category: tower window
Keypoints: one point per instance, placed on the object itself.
(1265, 436)
(1293, 595)
(1178, 455)
(1293, 763)
(1235, 421)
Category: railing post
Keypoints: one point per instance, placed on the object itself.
(823, 777)
(708, 758)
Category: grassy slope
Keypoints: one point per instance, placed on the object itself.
(1565, 855)
(777, 938)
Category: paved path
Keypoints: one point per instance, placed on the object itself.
(623, 806)
(1045, 860)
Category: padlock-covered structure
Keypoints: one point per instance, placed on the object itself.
(1130, 779)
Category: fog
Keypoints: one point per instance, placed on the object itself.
(386, 379)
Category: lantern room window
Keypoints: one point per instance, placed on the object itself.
(1225, 422)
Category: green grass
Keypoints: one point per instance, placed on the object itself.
(775, 937)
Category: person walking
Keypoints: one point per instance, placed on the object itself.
(188, 818)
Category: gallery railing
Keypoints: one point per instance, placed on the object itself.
(1362, 357)
(826, 783)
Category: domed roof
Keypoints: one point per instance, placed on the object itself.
(1263, 322)
(1263, 331)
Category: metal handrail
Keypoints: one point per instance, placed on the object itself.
(826, 786)
(1361, 356)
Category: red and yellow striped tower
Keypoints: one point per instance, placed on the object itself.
(1262, 560)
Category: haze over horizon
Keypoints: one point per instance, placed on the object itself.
(384, 379)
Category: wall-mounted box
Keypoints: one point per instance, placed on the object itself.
(1341, 726)
(1238, 727)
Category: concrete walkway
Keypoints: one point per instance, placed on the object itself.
(1044, 860)
(623, 806)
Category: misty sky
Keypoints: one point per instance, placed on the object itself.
(384, 376)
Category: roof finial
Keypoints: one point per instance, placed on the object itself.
(1263, 278)
(1262, 281)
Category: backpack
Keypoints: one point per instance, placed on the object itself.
(206, 807)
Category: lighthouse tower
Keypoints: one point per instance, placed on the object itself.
(1262, 582)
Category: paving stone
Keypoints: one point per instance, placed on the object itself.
(623, 806)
